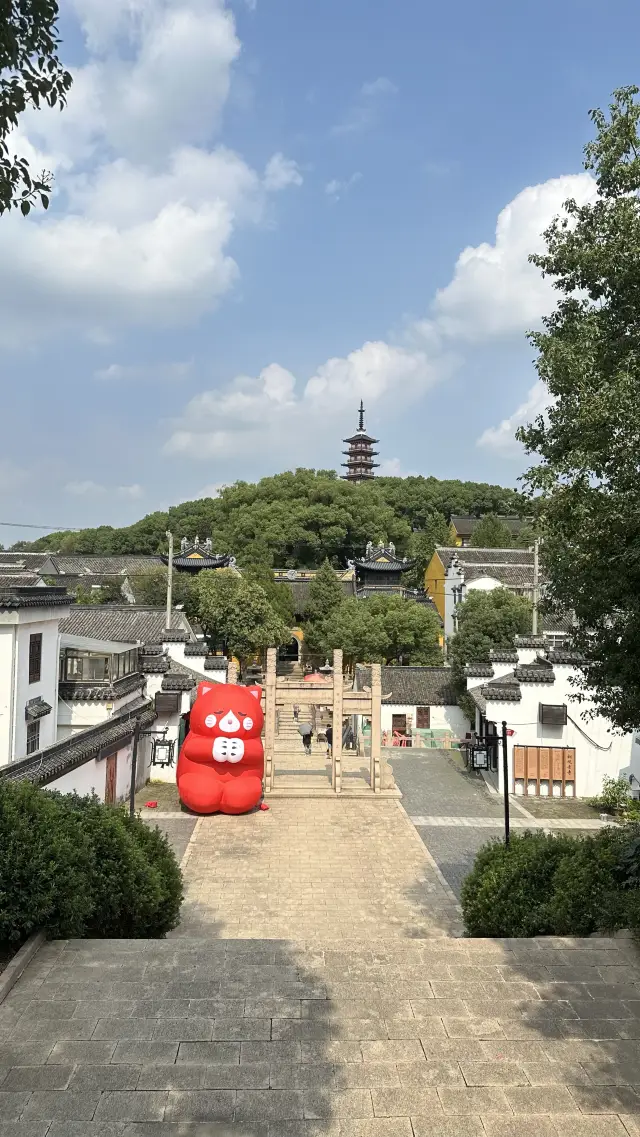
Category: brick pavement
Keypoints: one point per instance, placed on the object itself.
(313, 991)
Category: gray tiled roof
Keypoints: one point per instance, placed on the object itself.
(412, 686)
(512, 576)
(80, 564)
(101, 692)
(530, 641)
(126, 623)
(479, 699)
(565, 657)
(534, 674)
(467, 525)
(47, 765)
(510, 693)
(13, 579)
(182, 678)
(30, 561)
(503, 655)
(479, 670)
(473, 557)
(34, 597)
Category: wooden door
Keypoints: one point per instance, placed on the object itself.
(399, 724)
(112, 775)
(423, 718)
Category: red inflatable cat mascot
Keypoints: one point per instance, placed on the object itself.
(221, 760)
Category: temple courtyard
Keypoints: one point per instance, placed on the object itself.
(319, 986)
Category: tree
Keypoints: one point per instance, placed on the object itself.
(422, 546)
(325, 596)
(150, 587)
(384, 629)
(30, 74)
(588, 442)
(237, 612)
(277, 593)
(491, 533)
(486, 620)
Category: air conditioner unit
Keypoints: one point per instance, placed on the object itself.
(552, 715)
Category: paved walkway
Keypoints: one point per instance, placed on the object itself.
(315, 990)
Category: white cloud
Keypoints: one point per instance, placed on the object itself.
(365, 108)
(380, 86)
(280, 173)
(145, 372)
(335, 189)
(84, 489)
(145, 204)
(134, 492)
(494, 290)
(212, 490)
(501, 438)
(494, 293)
(392, 468)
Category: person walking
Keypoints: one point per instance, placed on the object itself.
(306, 730)
(329, 736)
(296, 712)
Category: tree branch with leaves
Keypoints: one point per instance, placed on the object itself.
(31, 74)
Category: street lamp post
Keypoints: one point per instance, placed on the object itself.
(505, 780)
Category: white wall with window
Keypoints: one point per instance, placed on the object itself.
(29, 646)
(95, 667)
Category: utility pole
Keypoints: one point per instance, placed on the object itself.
(505, 781)
(536, 569)
(169, 536)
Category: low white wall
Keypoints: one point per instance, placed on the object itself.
(449, 717)
(90, 778)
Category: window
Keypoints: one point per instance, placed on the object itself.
(35, 657)
(84, 667)
(423, 718)
(399, 724)
(33, 736)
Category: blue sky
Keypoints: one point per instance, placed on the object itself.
(266, 211)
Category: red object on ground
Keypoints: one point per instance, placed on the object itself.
(221, 761)
(263, 805)
(151, 805)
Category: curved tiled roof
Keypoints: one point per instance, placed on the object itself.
(412, 686)
(35, 596)
(127, 622)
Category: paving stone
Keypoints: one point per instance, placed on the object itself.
(23, 1128)
(85, 1053)
(259, 1052)
(24, 1053)
(580, 1126)
(391, 1102)
(473, 1028)
(242, 1029)
(223, 1053)
(200, 1105)
(461, 1126)
(183, 1077)
(131, 1105)
(46, 1105)
(393, 1050)
(271, 1105)
(85, 1129)
(12, 1104)
(541, 1099)
(606, 1099)
(50, 1031)
(337, 1104)
(429, 1073)
(496, 1125)
(132, 1051)
(500, 1074)
(111, 1077)
(37, 1078)
(476, 1100)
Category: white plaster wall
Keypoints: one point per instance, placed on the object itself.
(74, 716)
(46, 688)
(7, 690)
(86, 779)
(442, 717)
(483, 584)
(499, 669)
(592, 763)
(172, 722)
(176, 651)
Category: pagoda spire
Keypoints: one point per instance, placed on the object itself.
(360, 455)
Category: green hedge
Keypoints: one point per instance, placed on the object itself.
(76, 867)
(544, 885)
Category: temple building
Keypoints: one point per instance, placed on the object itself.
(196, 555)
(360, 455)
(380, 570)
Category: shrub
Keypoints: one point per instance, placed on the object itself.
(587, 895)
(46, 865)
(615, 796)
(75, 867)
(507, 892)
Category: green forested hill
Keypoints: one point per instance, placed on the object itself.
(296, 519)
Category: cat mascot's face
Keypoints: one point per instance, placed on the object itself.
(224, 717)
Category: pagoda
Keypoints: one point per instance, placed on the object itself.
(360, 464)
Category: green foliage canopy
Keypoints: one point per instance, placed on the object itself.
(384, 629)
(486, 620)
(296, 520)
(491, 533)
(237, 612)
(587, 445)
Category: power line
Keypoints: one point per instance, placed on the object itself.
(53, 528)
